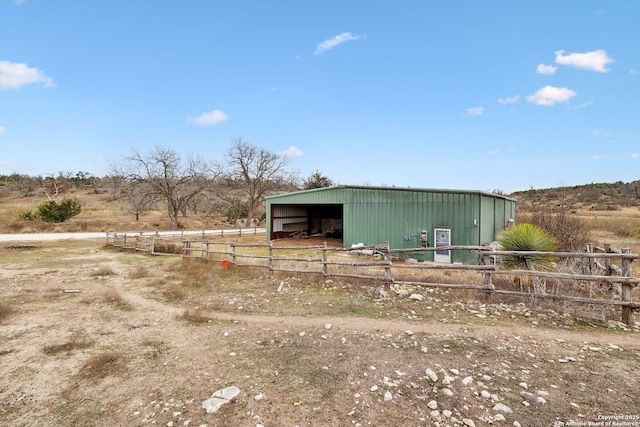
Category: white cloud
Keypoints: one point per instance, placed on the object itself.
(19, 2)
(2, 130)
(546, 69)
(208, 119)
(633, 72)
(14, 75)
(493, 152)
(549, 95)
(475, 111)
(635, 155)
(584, 105)
(596, 60)
(511, 100)
(334, 41)
(292, 151)
(6, 164)
(600, 132)
(597, 157)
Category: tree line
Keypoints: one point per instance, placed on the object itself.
(235, 185)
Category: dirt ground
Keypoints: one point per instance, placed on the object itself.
(91, 336)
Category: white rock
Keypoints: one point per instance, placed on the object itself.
(448, 380)
(468, 422)
(328, 326)
(388, 396)
(409, 332)
(595, 348)
(219, 398)
(432, 375)
(467, 380)
(499, 417)
(543, 393)
(454, 371)
(541, 400)
(501, 407)
(432, 405)
(447, 392)
(416, 297)
(485, 394)
(447, 413)
(524, 385)
(516, 424)
(374, 388)
(259, 396)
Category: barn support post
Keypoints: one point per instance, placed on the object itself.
(324, 258)
(627, 311)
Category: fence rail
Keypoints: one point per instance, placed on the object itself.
(380, 263)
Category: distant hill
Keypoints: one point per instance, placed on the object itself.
(600, 196)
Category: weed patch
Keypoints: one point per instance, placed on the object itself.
(102, 365)
(76, 342)
(6, 311)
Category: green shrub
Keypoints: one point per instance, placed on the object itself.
(28, 216)
(53, 211)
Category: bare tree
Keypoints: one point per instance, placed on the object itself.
(166, 177)
(256, 172)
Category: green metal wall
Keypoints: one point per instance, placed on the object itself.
(374, 215)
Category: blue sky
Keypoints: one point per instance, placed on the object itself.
(478, 95)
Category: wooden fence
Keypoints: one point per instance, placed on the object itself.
(389, 266)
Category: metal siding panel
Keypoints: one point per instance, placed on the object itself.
(373, 215)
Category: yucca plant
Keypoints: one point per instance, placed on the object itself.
(527, 237)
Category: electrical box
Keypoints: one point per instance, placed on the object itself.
(424, 238)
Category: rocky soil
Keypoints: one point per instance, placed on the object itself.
(89, 336)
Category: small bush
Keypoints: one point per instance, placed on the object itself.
(28, 216)
(53, 211)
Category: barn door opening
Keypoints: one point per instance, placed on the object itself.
(442, 239)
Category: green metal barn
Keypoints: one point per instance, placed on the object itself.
(404, 217)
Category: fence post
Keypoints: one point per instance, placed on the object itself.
(152, 245)
(627, 311)
(324, 258)
(591, 248)
(488, 280)
(607, 261)
(233, 253)
(270, 257)
(206, 254)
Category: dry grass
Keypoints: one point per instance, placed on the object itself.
(6, 311)
(102, 271)
(115, 299)
(102, 365)
(78, 341)
(196, 315)
(139, 272)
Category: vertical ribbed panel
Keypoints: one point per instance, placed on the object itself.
(374, 215)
